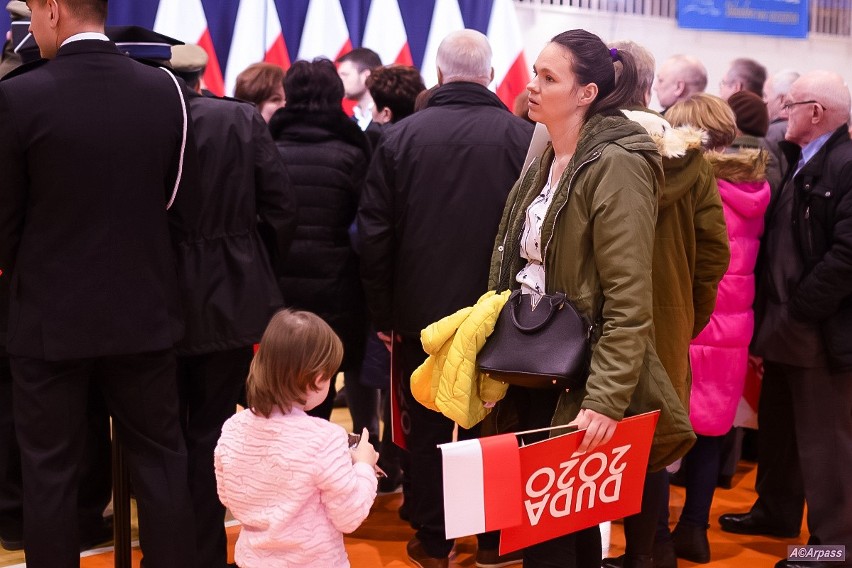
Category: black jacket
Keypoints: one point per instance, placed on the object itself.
(822, 222)
(433, 200)
(327, 156)
(89, 152)
(228, 287)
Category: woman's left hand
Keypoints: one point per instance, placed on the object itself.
(599, 429)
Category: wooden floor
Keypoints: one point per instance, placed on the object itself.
(380, 541)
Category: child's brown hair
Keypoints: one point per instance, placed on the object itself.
(296, 347)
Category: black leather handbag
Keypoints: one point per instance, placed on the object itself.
(546, 346)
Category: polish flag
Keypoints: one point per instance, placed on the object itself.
(325, 33)
(185, 20)
(385, 33)
(257, 37)
(510, 68)
(482, 485)
(446, 18)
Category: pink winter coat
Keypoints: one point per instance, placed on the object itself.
(719, 355)
(290, 481)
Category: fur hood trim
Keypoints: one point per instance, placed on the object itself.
(745, 165)
(672, 142)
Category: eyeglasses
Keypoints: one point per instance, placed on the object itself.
(789, 105)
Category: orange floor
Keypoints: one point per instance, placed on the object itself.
(380, 542)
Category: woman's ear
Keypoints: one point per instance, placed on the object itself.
(587, 94)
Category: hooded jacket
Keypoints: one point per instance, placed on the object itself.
(598, 240)
(690, 245)
(719, 355)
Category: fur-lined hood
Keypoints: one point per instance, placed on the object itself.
(745, 165)
(681, 148)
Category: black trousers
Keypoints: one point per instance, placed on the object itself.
(822, 419)
(209, 386)
(50, 407)
(779, 486)
(428, 429)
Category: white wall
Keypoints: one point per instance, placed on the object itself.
(664, 39)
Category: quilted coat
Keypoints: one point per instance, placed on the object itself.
(448, 381)
(719, 355)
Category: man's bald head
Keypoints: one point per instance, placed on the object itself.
(465, 55)
(819, 103)
(679, 77)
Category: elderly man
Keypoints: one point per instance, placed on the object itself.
(445, 170)
(678, 77)
(804, 310)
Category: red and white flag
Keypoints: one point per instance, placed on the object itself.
(257, 37)
(185, 20)
(385, 33)
(510, 68)
(446, 18)
(482, 485)
(325, 33)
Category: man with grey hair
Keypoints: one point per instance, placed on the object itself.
(744, 74)
(427, 221)
(803, 312)
(678, 77)
(774, 90)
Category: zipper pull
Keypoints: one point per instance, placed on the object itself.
(808, 212)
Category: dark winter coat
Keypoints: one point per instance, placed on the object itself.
(327, 157)
(228, 288)
(433, 200)
(822, 220)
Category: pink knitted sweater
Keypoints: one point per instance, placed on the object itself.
(289, 480)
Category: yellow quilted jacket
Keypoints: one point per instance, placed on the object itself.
(448, 381)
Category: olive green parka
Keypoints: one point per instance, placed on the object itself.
(598, 242)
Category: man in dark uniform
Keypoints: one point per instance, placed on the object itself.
(228, 287)
(94, 149)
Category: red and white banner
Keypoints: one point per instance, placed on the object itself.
(446, 18)
(482, 485)
(185, 20)
(325, 33)
(385, 33)
(511, 74)
(563, 492)
(252, 43)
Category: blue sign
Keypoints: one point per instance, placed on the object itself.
(788, 18)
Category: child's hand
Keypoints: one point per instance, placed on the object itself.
(364, 451)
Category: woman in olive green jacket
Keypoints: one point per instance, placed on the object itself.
(581, 221)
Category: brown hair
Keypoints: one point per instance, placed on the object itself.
(296, 347)
(395, 87)
(259, 82)
(709, 113)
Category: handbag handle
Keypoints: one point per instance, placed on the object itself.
(556, 301)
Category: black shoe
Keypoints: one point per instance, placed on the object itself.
(802, 564)
(690, 543)
(749, 523)
(664, 554)
(389, 484)
(12, 538)
(101, 533)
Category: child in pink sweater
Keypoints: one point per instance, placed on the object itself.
(290, 479)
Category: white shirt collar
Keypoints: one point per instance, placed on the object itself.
(363, 118)
(85, 35)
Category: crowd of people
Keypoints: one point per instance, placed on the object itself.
(167, 255)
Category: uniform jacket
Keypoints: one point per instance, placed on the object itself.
(719, 355)
(822, 220)
(448, 381)
(327, 157)
(228, 288)
(599, 241)
(290, 481)
(434, 195)
(690, 246)
(87, 173)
